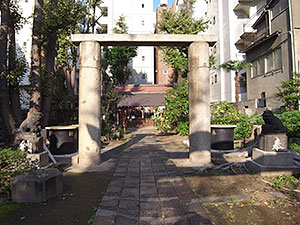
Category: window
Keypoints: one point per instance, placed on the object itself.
(104, 11)
(258, 67)
(279, 7)
(216, 78)
(143, 22)
(24, 43)
(269, 62)
(144, 76)
(254, 69)
(277, 59)
(274, 60)
(261, 102)
(261, 66)
(143, 5)
(143, 58)
(165, 72)
(214, 20)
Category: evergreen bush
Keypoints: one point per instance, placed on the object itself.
(291, 119)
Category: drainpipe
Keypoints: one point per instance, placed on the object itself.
(291, 36)
(269, 21)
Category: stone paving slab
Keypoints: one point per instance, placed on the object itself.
(146, 188)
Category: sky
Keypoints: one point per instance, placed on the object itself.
(156, 3)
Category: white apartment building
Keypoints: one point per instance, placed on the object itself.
(227, 25)
(140, 19)
(228, 19)
(24, 36)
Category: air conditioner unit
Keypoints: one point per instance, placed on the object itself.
(261, 103)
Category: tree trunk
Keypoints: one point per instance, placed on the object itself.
(179, 76)
(4, 91)
(50, 59)
(188, 6)
(237, 89)
(14, 87)
(31, 125)
(73, 77)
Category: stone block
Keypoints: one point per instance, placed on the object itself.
(37, 186)
(269, 171)
(272, 158)
(68, 159)
(40, 159)
(267, 142)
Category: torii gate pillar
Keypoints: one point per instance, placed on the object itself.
(89, 145)
(199, 103)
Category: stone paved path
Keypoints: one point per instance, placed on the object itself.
(146, 188)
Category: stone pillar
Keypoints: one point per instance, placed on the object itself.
(199, 103)
(89, 133)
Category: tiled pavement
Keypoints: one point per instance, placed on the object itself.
(146, 188)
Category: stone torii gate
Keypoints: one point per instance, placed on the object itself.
(90, 84)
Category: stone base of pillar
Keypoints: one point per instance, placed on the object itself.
(90, 159)
(200, 157)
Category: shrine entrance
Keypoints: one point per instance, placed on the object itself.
(89, 147)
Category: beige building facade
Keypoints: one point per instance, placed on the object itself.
(273, 50)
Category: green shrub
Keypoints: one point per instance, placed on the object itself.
(183, 128)
(289, 93)
(12, 163)
(224, 113)
(290, 182)
(175, 117)
(294, 147)
(291, 120)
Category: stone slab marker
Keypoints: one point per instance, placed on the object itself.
(89, 133)
(199, 103)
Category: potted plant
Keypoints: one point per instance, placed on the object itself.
(224, 118)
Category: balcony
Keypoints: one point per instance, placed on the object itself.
(254, 30)
(243, 8)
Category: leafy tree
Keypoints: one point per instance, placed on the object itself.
(175, 116)
(236, 66)
(118, 57)
(6, 111)
(116, 60)
(13, 66)
(178, 23)
(91, 20)
(289, 93)
(31, 125)
(51, 19)
(17, 65)
(60, 19)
